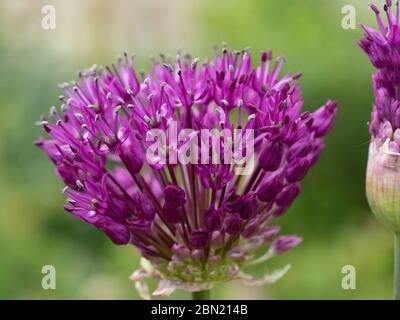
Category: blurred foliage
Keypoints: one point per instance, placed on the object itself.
(331, 214)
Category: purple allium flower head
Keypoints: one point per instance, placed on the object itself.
(382, 48)
(383, 171)
(196, 222)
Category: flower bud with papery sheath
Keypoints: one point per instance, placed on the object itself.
(383, 171)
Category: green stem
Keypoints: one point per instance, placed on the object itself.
(397, 266)
(201, 295)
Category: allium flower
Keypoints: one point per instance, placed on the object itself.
(383, 171)
(196, 223)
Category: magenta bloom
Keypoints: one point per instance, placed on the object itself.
(383, 172)
(193, 223)
(383, 48)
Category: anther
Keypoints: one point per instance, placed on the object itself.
(169, 67)
(374, 8)
(79, 184)
(53, 111)
(79, 116)
(194, 63)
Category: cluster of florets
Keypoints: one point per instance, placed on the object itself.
(196, 223)
(383, 49)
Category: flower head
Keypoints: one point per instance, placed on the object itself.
(121, 143)
(383, 172)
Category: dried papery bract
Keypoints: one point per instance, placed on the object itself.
(194, 222)
(383, 184)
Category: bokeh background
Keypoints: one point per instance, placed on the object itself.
(331, 214)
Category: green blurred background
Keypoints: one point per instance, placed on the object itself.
(331, 214)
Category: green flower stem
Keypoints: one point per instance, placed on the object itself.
(397, 266)
(201, 295)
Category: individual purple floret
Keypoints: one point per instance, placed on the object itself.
(196, 223)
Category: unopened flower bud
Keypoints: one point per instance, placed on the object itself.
(270, 234)
(323, 118)
(213, 219)
(175, 194)
(171, 213)
(180, 250)
(247, 205)
(233, 223)
(271, 156)
(199, 239)
(230, 204)
(216, 239)
(297, 169)
(288, 194)
(284, 243)
(269, 189)
(198, 254)
(251, 228)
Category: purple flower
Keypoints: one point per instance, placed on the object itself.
(382, 48)
(195, 222)
(383, 171)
